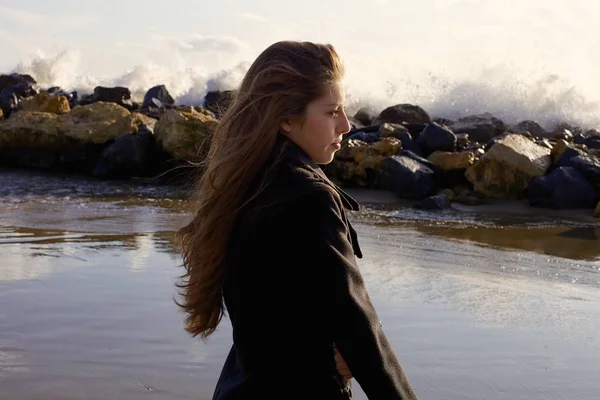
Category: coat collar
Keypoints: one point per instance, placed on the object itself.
(295, 155)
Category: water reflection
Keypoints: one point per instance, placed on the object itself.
(29, 253)
(559, 236)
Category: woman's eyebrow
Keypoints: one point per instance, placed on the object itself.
(335, 104)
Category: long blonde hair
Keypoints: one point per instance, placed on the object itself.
(280, 83)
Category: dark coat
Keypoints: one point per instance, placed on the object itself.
(293, 289)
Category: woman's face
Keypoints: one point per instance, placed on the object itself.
(321, 130)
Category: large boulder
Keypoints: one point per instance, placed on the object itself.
(16, 79)
(30, 129)
(531, 127)
(593, 142)
(452, 161)
(481, 128)
(436, 138)
(564, 155)
(404, 113)
(507, 168)
(436, 202)
(185, 135)
(392, 130)
(70, 142)
(359, 163)
(46, 102)
(589, 166)
(563, 188)
(402, 133)
(129, 156)
(102, 122)
(406, 177)
(158, 96)
(118, 95)
(366, 115)
(11, 96)
(31, 139)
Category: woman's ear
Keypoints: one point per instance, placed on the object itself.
(286, 127)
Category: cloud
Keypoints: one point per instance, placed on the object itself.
(33, 20)
(252, 17)
(203, 44)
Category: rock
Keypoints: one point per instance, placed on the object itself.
(102, 122)
(597, 211)
(529, 126)
(30, 130)
(481, 128)
(436, 138)
(16, 79)
(401, 113)
(367, 137)
(593, 142)
(408, 143)
(218, 101)
(469, 198)
(392, 130)
(579, 139)
(406, 177)
(45, 102)
(563, 188)
(184, 135)
(545, 143)
(564, 134)
(452, 161)
(563, 128)
(119, 95)
(558, 150)
(158, 96)
(414, 129)
(507, 168)
(11, 96)
(443, 121)
(437, 170)
(566, 154)
(449, 193)
(366, 115)
(1, 114)
(68, 142)
(462, 139)
(588, 165)
(129, 156)
(388, 146)
(359, 163)
(437, 202)
(30, 139)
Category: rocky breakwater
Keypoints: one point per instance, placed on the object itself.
(103, 134)
(473, 160)
(432, 162)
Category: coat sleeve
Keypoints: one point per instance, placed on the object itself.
(353, 321)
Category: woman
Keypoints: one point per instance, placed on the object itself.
(272, 245)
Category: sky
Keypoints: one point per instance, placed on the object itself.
(543, 54)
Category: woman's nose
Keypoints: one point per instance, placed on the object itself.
(344, 125)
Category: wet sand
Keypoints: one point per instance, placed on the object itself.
(477, 306)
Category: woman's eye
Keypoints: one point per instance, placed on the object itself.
(334, 113)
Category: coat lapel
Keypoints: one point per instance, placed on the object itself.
(296, 156)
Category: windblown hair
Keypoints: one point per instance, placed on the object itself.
(280, 83)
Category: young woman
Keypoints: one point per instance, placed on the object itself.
(272, 246)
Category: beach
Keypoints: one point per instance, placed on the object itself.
(487, 304)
